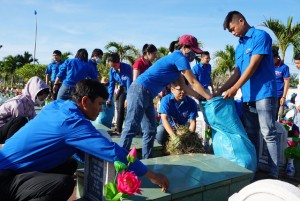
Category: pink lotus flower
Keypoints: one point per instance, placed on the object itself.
(131, 157)
(296, 133)
(128, 183)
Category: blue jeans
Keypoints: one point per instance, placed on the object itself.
(140, 109)
(259, 117)
(65, 92)
(162, 135)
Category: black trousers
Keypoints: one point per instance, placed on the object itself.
(11, 127)
(53, 185)
(120, 100)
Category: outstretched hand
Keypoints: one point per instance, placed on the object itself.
(230, 93)
(159, 179)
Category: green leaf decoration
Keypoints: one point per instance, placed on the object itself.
(119, 166)
(117, 197)
(110, 191)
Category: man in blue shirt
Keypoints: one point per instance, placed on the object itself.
(255, 76)
(35, 163)
(202, 71)
(96, 57)
(120, 73)
(52, 71)
(282, 74)
(175, 109)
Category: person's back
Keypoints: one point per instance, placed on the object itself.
(163, 72)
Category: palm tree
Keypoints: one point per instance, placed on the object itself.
(9, 66)
(126, 52)
(225, 65)
(24, 59)
(161, 52)
(65, 56)
(286, 34)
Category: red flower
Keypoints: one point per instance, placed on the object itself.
(296, 133)
(292, 143)
(131, 157)
(128, 183)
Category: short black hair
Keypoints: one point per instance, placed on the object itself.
(90, 88)
(205, 53)
(150, 48)
(297, 56)
(82, 54)
(57, 52)
(275, 50)
(43, 91)
(232, 16)
(113, 57)
(173, 46)
(97, 52)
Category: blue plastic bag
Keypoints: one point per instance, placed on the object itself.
(106, 116)
(229, 137)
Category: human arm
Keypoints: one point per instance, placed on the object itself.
(250, 70)
(166, 124)
(47, 78)
(56, 83)
(159, 179)
(192, 126)
(229, 83)
(91, 141)
(111, 87)
(196, 86)
(285, 90)
(136, 73)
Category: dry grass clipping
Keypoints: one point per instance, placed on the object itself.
(184, 142)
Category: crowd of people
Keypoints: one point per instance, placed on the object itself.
(42, 161)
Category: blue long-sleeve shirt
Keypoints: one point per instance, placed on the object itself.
(74, 70)
(53, 69)
(52, 137)
(124, 78)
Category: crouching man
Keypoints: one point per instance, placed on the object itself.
(175, 109)
(36, 164)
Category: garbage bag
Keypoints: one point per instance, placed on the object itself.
(106, 116)
(229, 138)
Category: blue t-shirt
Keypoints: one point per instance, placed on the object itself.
(124, 78)
(75, 70)
(163, 72)
(53, 69)
(178, 113)
(52, 137)
(202, 74)
(282, 72)
(262, 83)
(93, 65)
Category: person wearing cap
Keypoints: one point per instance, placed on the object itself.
(255, 75)
(52, 71)
(282, 74)
(140, 107)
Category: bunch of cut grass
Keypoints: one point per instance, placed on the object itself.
(184, 142)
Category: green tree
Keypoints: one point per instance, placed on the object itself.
(294, 80)
(26, 58)
(225, 65)
(286, 34)
(161, 52)
(65, 56)
(30, 70)
(10, 64)
(126, 52)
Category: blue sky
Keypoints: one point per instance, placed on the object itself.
(68, 25)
